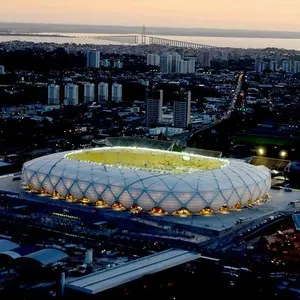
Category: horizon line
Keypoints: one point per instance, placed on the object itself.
(157, 27)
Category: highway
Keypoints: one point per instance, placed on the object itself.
(251, 229)
(182, 138)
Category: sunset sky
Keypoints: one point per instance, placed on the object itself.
(235, 14)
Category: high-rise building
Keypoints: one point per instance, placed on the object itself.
(265, 65)
(191, 63)
(176, 59)
(153, 59)
(93, 59)
(116, 92)
(296, 66)
(89, 92)
(2, 70)
(291, 66)
(53, 94)
(258, 64)
(182, 67)
(224, 55)
(154, 108)
(206, 59)
(102, 91)
(166, 63)
(106, 63)
(273, 65)
(71, 94)
(286, 66)
(182, 109)
(118, 64)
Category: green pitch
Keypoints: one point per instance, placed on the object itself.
(150, 160)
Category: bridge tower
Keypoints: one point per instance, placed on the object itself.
(143, 35)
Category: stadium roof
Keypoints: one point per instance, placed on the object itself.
(270, 163)
(4, 164)
(6, 245)
(204, 152)
(140, 142)
(234, 182)
(45, 256)
(296, 219)
(107, 279)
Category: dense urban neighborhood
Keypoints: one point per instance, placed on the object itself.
(159, 169)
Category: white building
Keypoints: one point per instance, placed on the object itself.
(185, 66)
(102, 91)
(286, 66)
(206, 60)
(106, 63)
(165, 130)
(265, 65)
(176, 59)
(89, 92)
(154, 110)
(182, 67)
(166, 63)
(224, 55)
(191, 64)
(273, 65)
(296, 66)
(71, 94)
(144, 82)
(2, 70)
(258, 64)
(153, 59)
(182, 110)
(116, 92)
(93, 59)
(291, 66)
(53, 94)
(118, 64)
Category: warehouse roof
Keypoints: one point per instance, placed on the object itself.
(103, 280)
(45, 256)
(6, 245)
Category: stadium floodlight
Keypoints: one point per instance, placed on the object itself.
(283, 154)
(261, 151)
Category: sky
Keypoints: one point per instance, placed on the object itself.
(230, 14)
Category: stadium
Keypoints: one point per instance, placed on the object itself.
(140, 179)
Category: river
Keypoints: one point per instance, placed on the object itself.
(84, 38)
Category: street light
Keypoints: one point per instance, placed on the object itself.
(283, 154)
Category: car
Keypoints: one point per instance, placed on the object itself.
(288, 189)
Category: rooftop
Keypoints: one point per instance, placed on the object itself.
(104, 280)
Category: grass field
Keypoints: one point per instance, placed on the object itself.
(148, 160)
(264, 140)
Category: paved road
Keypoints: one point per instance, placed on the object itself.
(185, 136)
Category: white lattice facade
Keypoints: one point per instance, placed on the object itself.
(235, 183)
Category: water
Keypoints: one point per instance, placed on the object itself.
(84, 38)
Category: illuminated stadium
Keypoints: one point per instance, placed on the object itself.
(140, 179)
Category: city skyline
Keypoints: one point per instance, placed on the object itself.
(254, 15)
